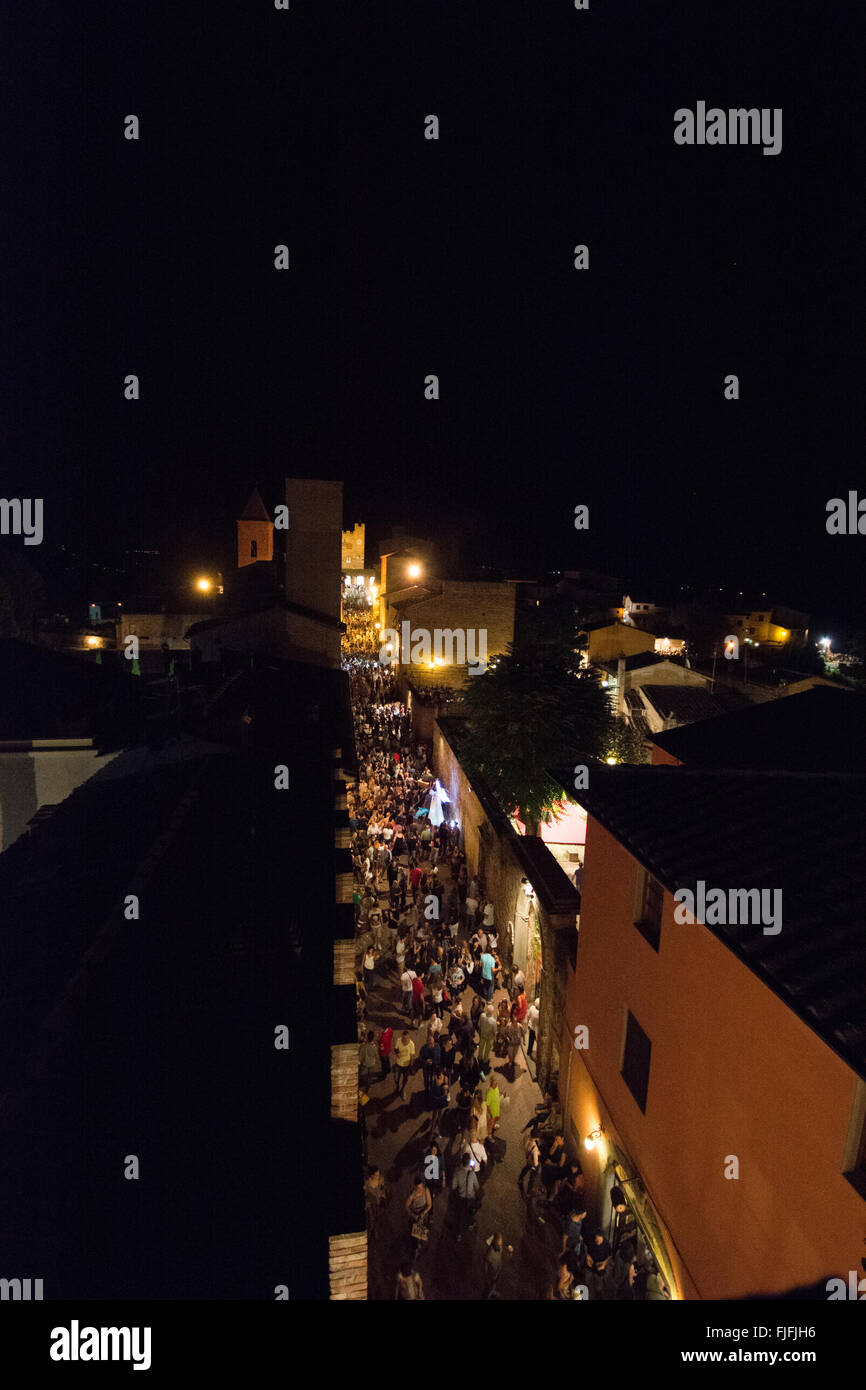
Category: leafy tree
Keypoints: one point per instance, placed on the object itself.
(535, 709)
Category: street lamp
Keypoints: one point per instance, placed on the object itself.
(204, 585)
(414, 571)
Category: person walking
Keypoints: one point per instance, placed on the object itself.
(488, 965)
(469, 1070)
(486, 1036)
(386, 1038)
(409, 1283)
(532, 1165)
(573, 1246)
(434, 1167)
(513, 1038)
(418, 1205)
(430, 1057)
(369, 968)
(456, 981)
(404, 1051)
(375, 1195)
(369, 1060)
(519, 1009)
(406, 979)
(465, 1187)
(418, 1005)
(493, 1099)
(437, 994)
(532, 1016)
(478, 1118)
(476, 1008)
(439, 1100)
(493, 1261)
(475, 1149)
(563, 1282)
(470, 907)
(449, 1056)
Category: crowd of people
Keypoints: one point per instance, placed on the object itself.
(361, 640)
(425, 926)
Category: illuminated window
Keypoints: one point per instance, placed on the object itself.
(636, 1060)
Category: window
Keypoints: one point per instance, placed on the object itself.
(254, 550)
(651, 897)
(636, 1060)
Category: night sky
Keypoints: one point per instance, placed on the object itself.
(411, 256)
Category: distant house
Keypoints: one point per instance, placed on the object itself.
(769, 626)
(624, 677)
(653, 707)
(609, 641)
(473, 619)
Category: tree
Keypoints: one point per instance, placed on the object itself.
(533, 710)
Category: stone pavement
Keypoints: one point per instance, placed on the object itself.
(398, 1127)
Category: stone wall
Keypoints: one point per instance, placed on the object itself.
(493, 851)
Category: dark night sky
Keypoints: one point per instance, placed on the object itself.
(410, 257)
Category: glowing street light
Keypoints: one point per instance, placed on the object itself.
(414, 571)
(204, 585)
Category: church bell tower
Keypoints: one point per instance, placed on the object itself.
(255, 532)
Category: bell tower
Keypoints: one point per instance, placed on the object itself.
(255, 532)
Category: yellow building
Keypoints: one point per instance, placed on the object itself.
(614, 640)
(353, 547)
(767, 626)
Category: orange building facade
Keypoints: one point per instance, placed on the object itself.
(737, 1083)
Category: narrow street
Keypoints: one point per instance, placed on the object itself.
(398, 1131)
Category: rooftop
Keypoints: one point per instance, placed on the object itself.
(46, 694)
(687, 703)
(803, 833)
(819, 730)
(155, 1037)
